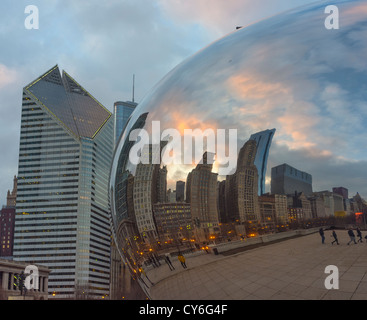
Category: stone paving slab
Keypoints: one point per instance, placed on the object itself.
(288, 270)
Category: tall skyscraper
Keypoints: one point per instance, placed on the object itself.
(287, 180)
(62, 209)
(241, 187)
(201, 189)
(122, 112)
(263, 141)
(180, 191)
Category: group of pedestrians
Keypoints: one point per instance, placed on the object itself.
(350, 234)
(180, 257)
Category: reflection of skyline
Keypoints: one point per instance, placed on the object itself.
(280, 80)
(139, 195)
(250, 80)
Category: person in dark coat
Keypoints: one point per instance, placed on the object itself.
(168, 261)
(351, 236)
(321, 231)
(335, 238)
(359, 234)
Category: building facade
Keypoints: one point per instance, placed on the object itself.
(10, 272)
(173, 221)
(263, 141)
(62, 210)
(201, 194)
(180, 191)
(287, 180)
(7, 221)
(122, 113)
(242, 187)
(11, 197)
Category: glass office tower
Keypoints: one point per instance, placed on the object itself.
(62, 210)
(263, 141)
(122, 112)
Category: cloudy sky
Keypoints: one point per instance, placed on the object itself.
(103, 43)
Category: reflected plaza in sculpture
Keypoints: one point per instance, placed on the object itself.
(288, 72)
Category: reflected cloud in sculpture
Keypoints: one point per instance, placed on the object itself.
(287, 72)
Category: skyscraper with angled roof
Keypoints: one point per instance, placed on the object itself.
(62, 218)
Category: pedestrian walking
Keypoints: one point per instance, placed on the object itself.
(142, 271)
(168, 261)
(321, 231)
(351, 236)
(359, 234)
(335, 238)
(181, 258)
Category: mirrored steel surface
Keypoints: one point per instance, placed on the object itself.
(287, 73)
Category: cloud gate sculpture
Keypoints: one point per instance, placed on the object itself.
(187, 174)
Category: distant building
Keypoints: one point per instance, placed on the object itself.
(267, 213)
(342, 191)
(241, 187)
(299, 200)
(7, 221)
(180, 191)
(317, 206)
(333, 202)
(221, 201)
(263, 142)
(171, 195)
(279, 201)
(202, 195)
(122, 112)
(162, 185)
(287, 180)
(148, 177)
(173, 220)
(12, 196)
(145, 195)
(9, 286)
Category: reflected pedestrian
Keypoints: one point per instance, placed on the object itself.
(321, 231)
(351, 236)
(142, 271)
(335, 238)
(359, 234)
(168, 261)
(181, 258)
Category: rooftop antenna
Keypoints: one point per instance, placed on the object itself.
(133, 85)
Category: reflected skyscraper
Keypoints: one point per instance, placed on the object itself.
(287, 180)
(241, 188)
(62, 209)
(263, 141)
(201, 187)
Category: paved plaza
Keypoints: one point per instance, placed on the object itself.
(286, 270)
